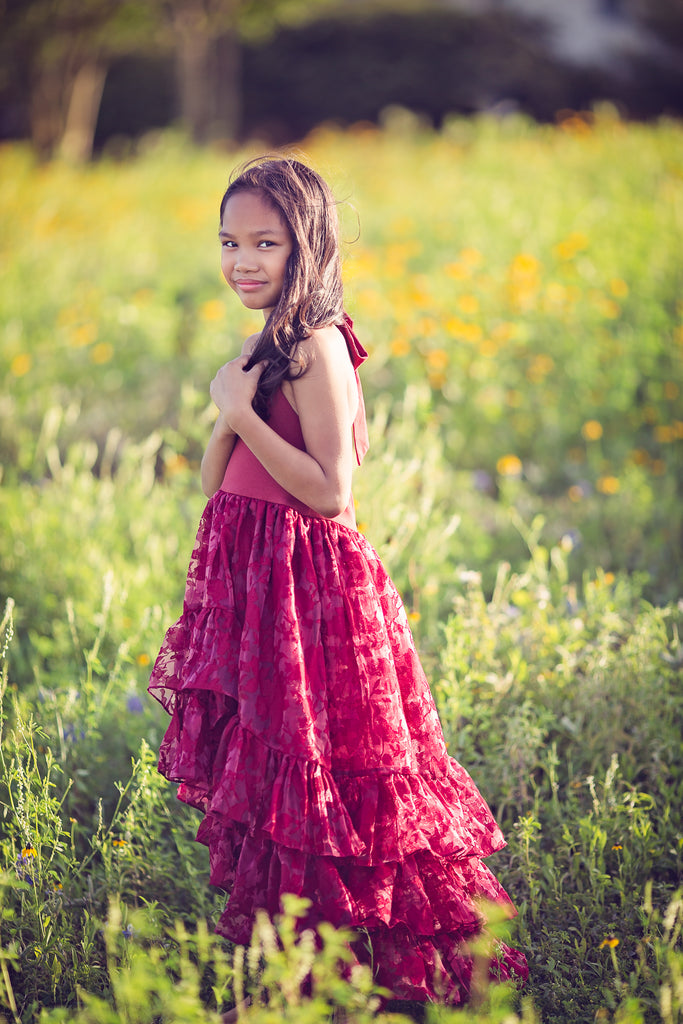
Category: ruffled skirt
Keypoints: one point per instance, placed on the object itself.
(303, 727)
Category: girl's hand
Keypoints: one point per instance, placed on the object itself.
(233, 390)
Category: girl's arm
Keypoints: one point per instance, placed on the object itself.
(325, 398)
(217, 455)
(221, 443)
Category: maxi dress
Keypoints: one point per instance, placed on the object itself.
(303, 727)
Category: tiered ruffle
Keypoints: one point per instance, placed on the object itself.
(304, 728)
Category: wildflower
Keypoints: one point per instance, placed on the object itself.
(120, 842)
(134, 704)
(592, 430)
(618, 288)
(665, 434)
(83, 335)
(509, 465)
(437, 359)
(617, 847)
(143, 659)
(21, 364)
(608, 484)
(23, 865)
(470, 576)
(399, 347)
(503, 331)
(612, 942)
(458, 271)
(482, 481)
(102, 353)
(539, 368)
(212, 310)
(571, 245)
(640, 457)
(524, 265)
(414, 616)
(128, 932)
(570, 541)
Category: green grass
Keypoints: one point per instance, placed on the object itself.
(519, 288)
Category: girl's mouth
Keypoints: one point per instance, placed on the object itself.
(249, 286)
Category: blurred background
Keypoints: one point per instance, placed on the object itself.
(79, 76)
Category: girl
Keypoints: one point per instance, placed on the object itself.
(302, 722)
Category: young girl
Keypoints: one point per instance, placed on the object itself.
(302, 722)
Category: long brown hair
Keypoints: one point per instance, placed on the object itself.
(312, 295)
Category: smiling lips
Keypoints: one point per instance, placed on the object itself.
(249, 285)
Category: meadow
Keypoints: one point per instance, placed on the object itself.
(519, 290)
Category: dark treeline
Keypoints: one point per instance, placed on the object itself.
(345, 65)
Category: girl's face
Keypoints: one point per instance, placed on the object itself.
(255, 246)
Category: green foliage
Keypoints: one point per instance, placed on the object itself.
(522, 488)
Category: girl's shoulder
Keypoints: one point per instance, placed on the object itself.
(250, 343)
(324, 345)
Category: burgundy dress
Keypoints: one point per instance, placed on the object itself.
(303, 726)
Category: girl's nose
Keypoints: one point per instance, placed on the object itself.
(244, 262)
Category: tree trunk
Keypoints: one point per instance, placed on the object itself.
(45, 111)
(208, 68)
(76, 144)
(227, 92)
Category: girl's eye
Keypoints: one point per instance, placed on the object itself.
(266, 244)
(227, 244)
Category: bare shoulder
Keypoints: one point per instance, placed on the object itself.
(325, 350)
(248, 346)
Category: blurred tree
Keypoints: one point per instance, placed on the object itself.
(57, 53)
(207, 38)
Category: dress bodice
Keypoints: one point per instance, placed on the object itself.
(246, 476)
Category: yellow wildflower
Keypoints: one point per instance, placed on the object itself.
(539, 368)
(83, 335)
(571, 245)
(102, 353)
(509, 465)
(458, 271)
(21, 364)
(212, 310)
(399, 347)
(618, 288)
(592, 430)
(608, 484)
(437, 359)
(612, 942)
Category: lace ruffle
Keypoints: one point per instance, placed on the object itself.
(304, 728)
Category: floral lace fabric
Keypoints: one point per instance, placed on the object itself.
(303, 727)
